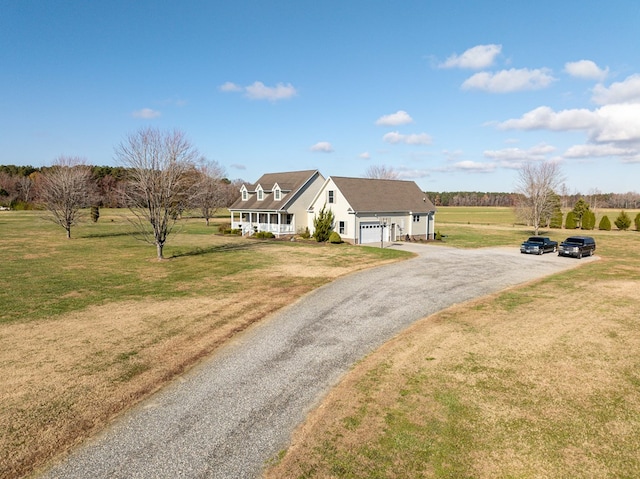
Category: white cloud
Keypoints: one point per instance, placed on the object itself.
(365, 155)
(322, 147)
(618, 123)
(544, 118)
(626, 91)
(590, 151)
(405, 173)
(230, 86)
(608, 124)
(506, 81)
(475, 166)
(508, 155)
(259, 91)
(238, 166)
(395, 137)
(146, 113)
(586, 69)
(480, 56)
(400, 117)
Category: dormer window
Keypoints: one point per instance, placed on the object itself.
(245, 193)
(277, 193)
(260, 193)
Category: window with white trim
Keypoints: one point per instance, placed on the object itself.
(416, 218)
(342, 227)
(260, 192)
(277, 194)
(331, 196)
(245, 194)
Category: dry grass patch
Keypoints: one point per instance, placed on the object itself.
(508, 386)
(64, 379)
(92, 325)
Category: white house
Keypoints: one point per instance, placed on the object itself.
(277, 202)
(374, 210)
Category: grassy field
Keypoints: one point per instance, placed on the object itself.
(538, 381)
(91, 325)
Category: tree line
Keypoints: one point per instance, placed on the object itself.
(20, 190)
(628, 201)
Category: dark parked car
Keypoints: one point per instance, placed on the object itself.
(539, 245)
(577, 246)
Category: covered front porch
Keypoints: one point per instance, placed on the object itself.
(250, 222)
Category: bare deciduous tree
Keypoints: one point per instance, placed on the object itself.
(537, 183)
(64, 189)
(25, 188)
(209, 189)
(381, 172)
(159, 183)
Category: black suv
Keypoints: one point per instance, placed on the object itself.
(577, 246)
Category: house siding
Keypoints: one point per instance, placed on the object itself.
(301, 203)
(284, 216)
(399, 223)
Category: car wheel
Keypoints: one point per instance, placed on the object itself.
(579, 254)
(555, 248)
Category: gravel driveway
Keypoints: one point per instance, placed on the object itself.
(236, 410)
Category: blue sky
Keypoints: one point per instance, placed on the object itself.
(452, 94)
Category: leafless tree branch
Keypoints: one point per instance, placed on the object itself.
(64, 189)
(159, 185)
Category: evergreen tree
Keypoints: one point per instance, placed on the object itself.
(605, 224)
(588, 220)
(623, 221)
(556, 218)
(323, 225)
(570, 222)
(580, 208)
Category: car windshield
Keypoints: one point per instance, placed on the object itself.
(536, 240)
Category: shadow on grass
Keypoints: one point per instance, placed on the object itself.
(107, 235)
(223, 248)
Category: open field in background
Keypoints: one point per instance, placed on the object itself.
(539, 381)
(91, 325)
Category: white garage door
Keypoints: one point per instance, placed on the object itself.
(370, 233)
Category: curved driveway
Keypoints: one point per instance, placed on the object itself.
(236, 410)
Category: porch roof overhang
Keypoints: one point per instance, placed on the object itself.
(255, 210)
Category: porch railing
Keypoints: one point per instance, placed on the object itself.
(250, 228)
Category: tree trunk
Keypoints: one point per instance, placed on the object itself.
(159, 248)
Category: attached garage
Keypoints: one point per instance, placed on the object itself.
(370, 233)
(374, 211)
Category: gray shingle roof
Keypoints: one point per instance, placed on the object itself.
(374, 195)
(289, 182)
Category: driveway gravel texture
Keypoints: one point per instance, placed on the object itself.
(231, 414)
